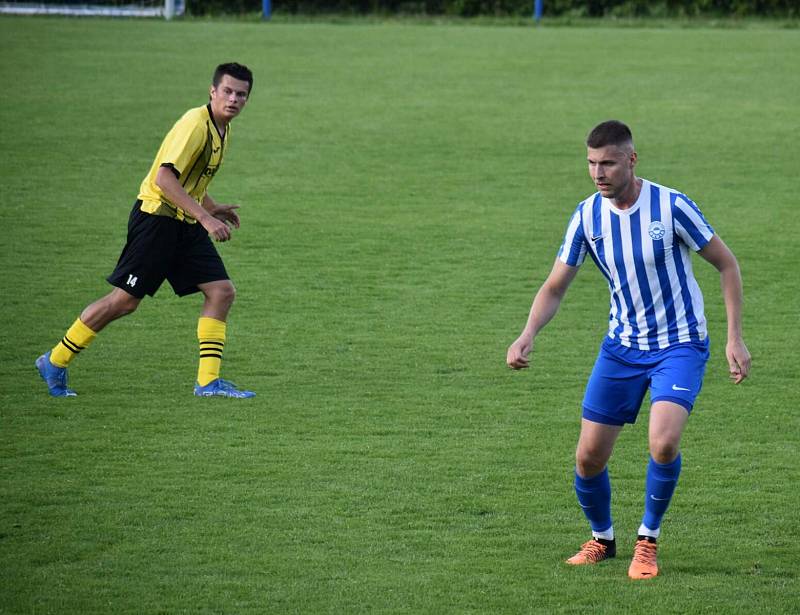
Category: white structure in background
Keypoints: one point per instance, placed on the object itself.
(103, 8)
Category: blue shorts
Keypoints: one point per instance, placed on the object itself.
(621, 377)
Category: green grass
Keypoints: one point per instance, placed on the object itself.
(404, 189)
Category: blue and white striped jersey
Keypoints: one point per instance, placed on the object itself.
(643, 252)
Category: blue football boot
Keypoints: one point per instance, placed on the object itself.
(54, 376)
(221, 388)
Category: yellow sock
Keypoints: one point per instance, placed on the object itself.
(78, 337)
(211, 334)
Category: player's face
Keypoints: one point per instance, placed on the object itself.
(228, 98)
(612, 169)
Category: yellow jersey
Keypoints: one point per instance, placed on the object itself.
(193, 150)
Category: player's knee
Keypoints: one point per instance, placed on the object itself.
(663, 450)
(126, 305)
(589, 463)
(223, 295)
(230, 293)
(589, 470)
(121, 304)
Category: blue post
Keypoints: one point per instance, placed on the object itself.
(537, 10)
(266, 9)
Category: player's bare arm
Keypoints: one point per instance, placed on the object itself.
(172, 189)
(719, 255)
(544, 307)
(226, 213)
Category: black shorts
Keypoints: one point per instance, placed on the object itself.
(161, 248)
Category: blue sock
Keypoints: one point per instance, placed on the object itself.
(659, 487)
(594, 496)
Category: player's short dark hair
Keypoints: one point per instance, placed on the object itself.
(611, 132)
(237, 71)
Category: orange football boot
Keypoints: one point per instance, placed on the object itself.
(643, 565)
(592, 552)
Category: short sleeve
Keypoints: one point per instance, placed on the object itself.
(690, 224)
(183, 143)
(573, 249)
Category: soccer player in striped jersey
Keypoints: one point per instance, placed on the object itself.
(170, 229)
(640, 235)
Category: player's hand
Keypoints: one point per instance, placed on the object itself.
(227, 213)
(738, 360)
(217, 229)
(519, 351)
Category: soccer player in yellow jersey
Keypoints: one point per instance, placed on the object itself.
(169, 238)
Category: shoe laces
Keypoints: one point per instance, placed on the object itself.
(645, 552)
(228, 387)
(593, 551)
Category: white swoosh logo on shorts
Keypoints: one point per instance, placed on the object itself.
(675, 387)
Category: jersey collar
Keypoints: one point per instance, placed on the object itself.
(213, 121)
(644, 194)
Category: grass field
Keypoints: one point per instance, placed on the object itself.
(404, 189)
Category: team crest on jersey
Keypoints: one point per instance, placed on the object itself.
(657, 230)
